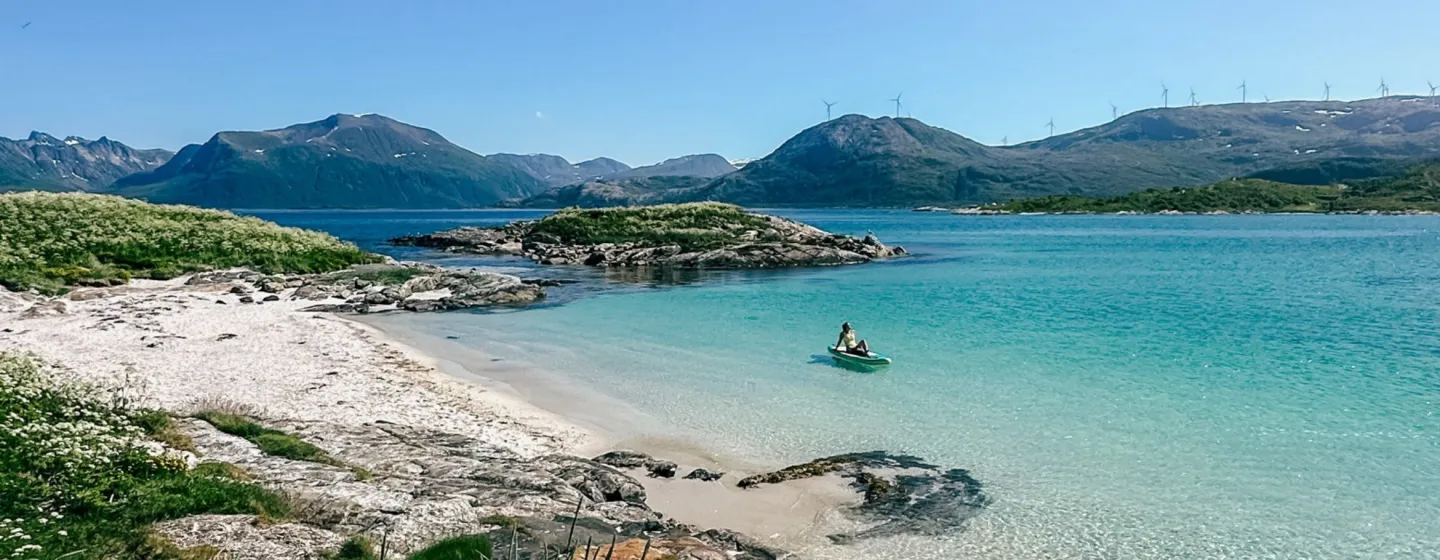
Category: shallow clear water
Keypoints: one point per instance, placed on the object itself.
(1126, 387)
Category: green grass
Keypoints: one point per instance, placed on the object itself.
(698, 225)
(357, 548)
(469, 547)
(161, 427)
(73, 477)
(275, 442)
(52, 241)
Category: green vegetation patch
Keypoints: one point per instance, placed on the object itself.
(356, 548)
(468, 547)
(76, 482)
(698, 225)
(1416, 189)
(385, 275)
(50, 241)
(275, 442)
(1242, 195)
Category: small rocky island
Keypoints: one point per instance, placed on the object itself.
(703, 235)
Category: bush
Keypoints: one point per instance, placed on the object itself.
(51, 241)
(469, 547)
(357, 548)
(75, 477)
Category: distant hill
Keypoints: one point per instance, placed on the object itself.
(557, 171)
(43, 162)
(344, 161)
(667, 181)
(698, 165)
(860, 161)
(1415, 189)
(626, 191)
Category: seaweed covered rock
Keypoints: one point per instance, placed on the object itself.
(902, 494)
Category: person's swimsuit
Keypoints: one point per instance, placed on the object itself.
(847, 341)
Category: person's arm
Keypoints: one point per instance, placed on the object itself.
(839, 342)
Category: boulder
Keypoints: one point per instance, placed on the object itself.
(595, 481)
(338, 308)
(636, 460)
(311, 292)
(47, 308)
(704, 475)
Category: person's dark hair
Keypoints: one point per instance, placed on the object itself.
(845, 327)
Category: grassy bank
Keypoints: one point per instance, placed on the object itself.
(77, 482)
(697, 225)
(51, 241)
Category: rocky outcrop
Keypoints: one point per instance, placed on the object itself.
(426, 485)
(370, 288)
(779, 243)
(657, 468)
(902, 494)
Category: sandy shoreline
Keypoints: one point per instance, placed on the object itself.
(796, 515)
(175, 347)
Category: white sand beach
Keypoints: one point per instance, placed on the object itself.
(181, 348)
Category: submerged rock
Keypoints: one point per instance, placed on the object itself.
(902, 494)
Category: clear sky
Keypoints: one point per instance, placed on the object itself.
(644, 80)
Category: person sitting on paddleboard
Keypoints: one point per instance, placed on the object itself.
(848, 344)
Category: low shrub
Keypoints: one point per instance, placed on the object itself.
(77, 482)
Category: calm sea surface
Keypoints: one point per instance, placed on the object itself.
(1126, 387)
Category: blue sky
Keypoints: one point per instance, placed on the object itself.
(644, 80)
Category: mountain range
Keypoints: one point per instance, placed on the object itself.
(370, 161)
(859, 161)
(344, 161)
(43, 162)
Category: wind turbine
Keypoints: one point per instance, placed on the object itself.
(1267, 97)
(1432, 90)
(1165, 94)
(897, 103)
(1193, 102)
(828, 105)
(1005, 141)
(1051, 124)
(1244, 91)
(1383, 89)
(1114, 112)
(1327, 91)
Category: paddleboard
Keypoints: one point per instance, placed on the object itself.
(873, 360)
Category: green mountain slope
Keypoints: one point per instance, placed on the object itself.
(344, 161)
(859, 161)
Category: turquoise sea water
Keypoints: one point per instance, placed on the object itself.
(1126, 387)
